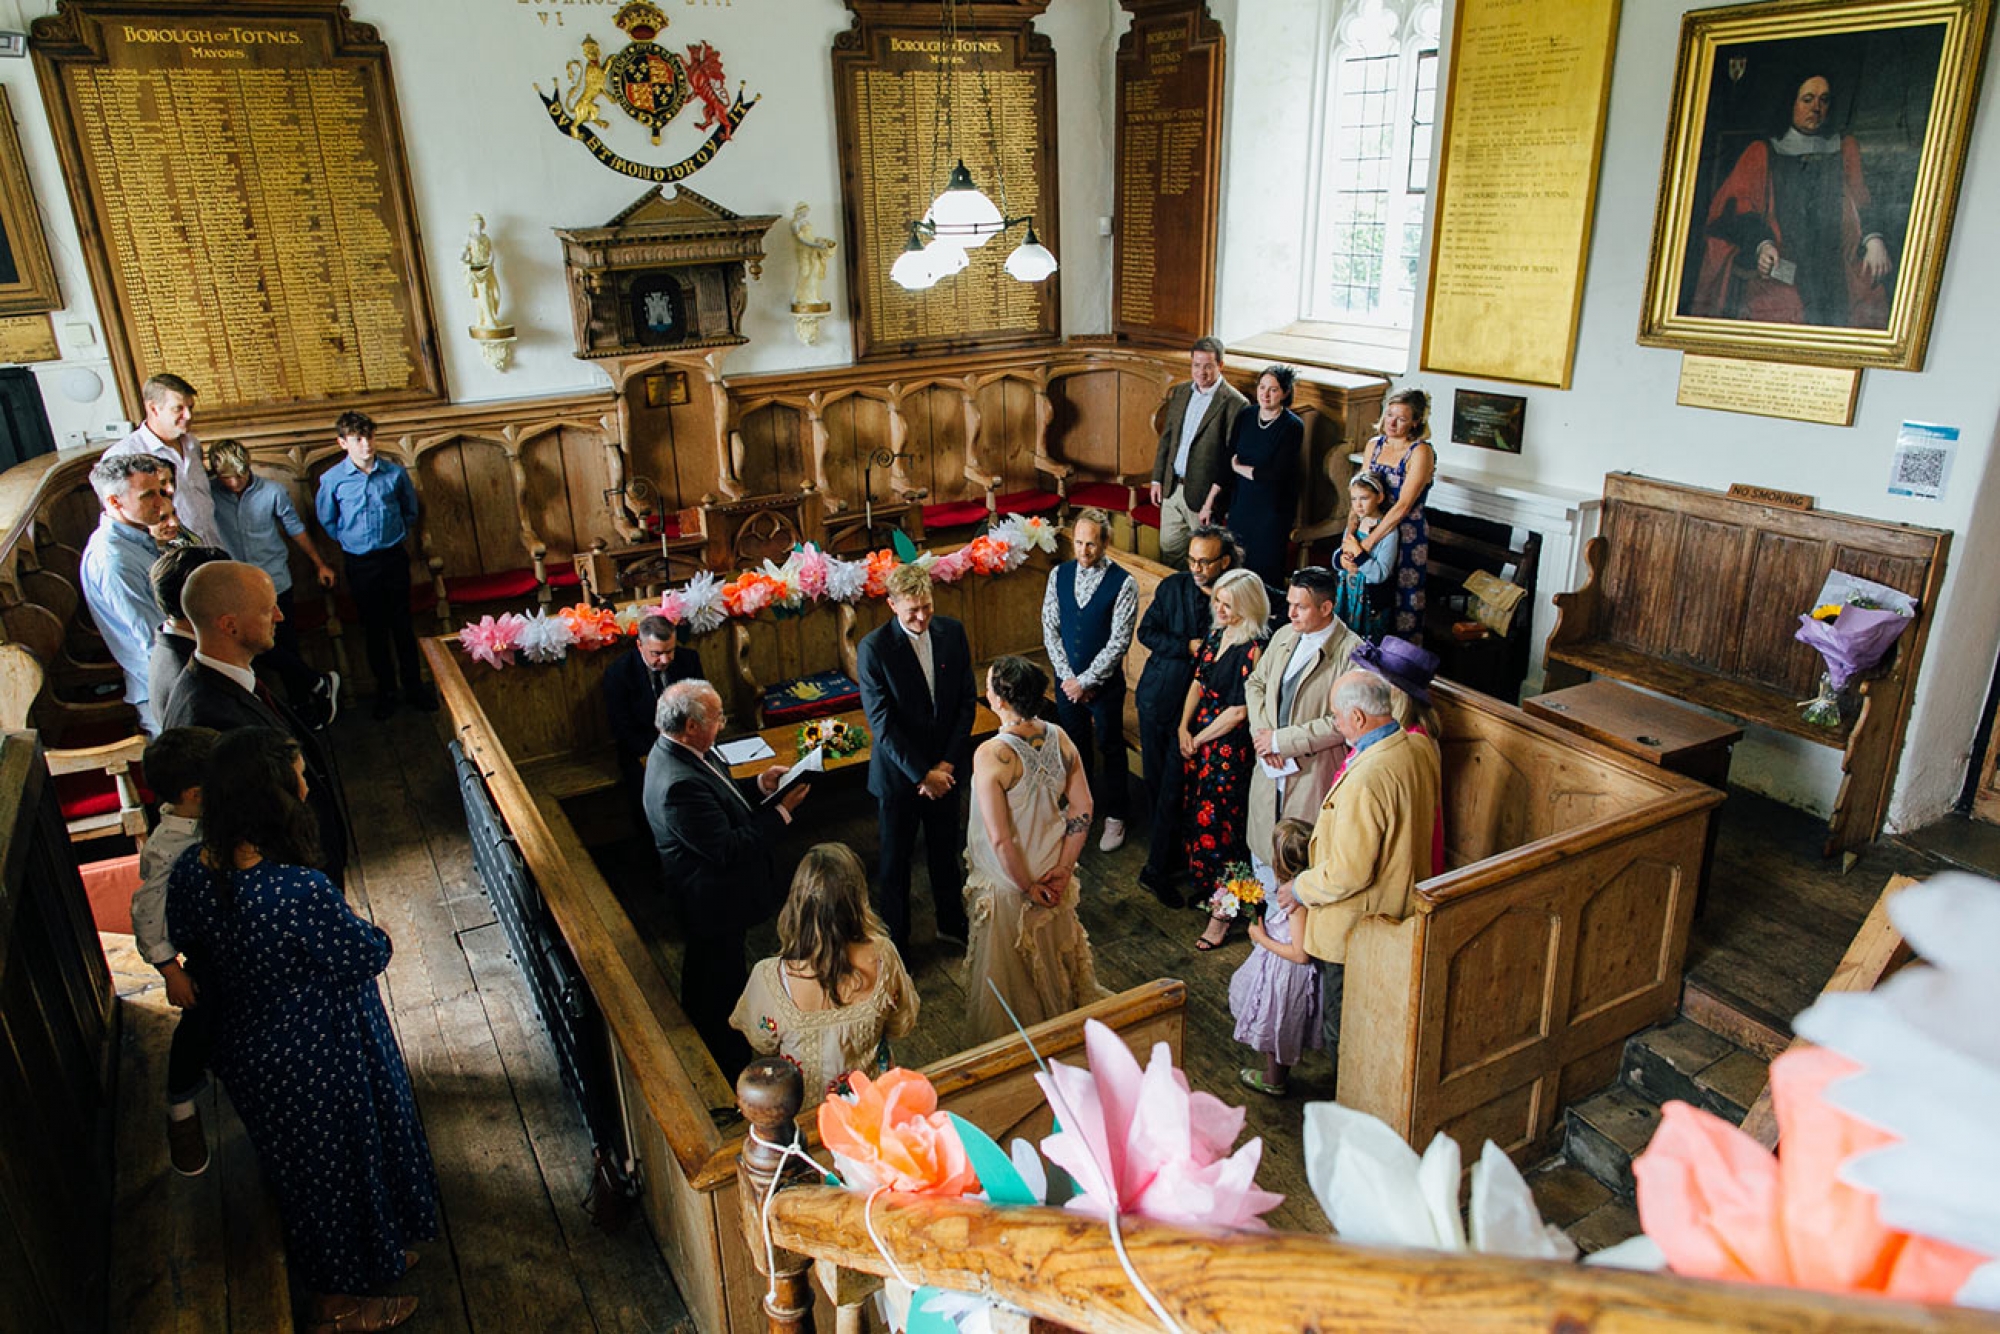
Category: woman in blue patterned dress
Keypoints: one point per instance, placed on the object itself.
(1401, 454)
(305, 1046)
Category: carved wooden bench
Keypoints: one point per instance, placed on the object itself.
(1696, 594)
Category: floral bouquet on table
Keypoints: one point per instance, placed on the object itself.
(839, 737)
(1241, 893)
(1853, 624)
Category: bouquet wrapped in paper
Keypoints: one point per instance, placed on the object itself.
(1853, 625)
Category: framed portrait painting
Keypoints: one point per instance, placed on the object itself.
(27, 278)
(1813, 156)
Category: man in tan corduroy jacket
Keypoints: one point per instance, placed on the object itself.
(1372, 841)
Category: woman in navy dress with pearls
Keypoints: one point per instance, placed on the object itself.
(305, 1046)
(1264, 453)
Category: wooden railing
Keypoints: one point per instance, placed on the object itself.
(1062, 1268)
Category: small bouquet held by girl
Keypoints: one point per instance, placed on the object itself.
(1275, 994)
(1240, 894)
(1854, 623)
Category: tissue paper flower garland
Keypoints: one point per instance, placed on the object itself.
(1165, 1146)
(705, 602)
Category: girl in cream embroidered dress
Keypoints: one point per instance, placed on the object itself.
(1030, 817)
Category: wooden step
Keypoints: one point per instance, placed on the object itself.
(1605, 1132)
(1684, 1061)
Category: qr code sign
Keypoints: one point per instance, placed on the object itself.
(1920, 467)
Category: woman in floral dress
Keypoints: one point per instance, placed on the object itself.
(1216, 754)
(1402, 457)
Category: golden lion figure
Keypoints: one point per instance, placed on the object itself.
(586, 86)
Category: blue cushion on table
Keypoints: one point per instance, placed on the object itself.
(809, 697)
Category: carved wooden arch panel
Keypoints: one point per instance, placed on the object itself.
(470, 487)
(567, 467)
(859, 424)
(1104, 418)
(1009, 427)
(772, 446)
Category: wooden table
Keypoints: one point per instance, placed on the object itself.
(784, 739)
(1646, 727)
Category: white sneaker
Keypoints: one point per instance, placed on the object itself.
(1114, 836)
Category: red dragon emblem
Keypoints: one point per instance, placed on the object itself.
(707, 82)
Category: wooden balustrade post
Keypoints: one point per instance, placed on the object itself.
(770, 1093)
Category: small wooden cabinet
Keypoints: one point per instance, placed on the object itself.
(664, 274)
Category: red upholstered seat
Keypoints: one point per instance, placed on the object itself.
(562, 576)
(1147, 516)
(87, 794)
(1027, 502)
(504, 586)
(1101, 495)
(953, 514)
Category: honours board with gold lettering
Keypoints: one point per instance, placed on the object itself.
(247, 214)
(1000, 78)
(1169, 172)
(1523, 131)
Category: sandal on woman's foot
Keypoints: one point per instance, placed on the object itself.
(362, 1315)
(1254, 1079)
(1204, 942)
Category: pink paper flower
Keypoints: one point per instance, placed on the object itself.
(950, 569)
(810, 565)
(1144, 1143)
(492, 640)
(1719, 1205)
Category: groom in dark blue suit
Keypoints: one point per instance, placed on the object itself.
(916, 686)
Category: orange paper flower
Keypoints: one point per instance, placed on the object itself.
(892, 1134)
(1719, 1205)
(879, 565)
(750, 592)
(592, 627)
(988, 556)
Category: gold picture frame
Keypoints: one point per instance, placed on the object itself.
(27, 276)
(1842, 124)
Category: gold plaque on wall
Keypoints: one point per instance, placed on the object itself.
(1521, 137)
(28, 338)
(1823, 394)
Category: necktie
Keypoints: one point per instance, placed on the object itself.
(264, 697)
(659, 682)
(714, 763)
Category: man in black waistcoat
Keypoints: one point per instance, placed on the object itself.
(916, 686)
(1174, 626)
(1088, 614)
(715, 842)
(233, 607)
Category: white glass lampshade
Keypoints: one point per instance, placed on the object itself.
(945, 259)
(914, 269)
(1031, 261)
(962, 215)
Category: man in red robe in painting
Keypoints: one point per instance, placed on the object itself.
(1790, 237)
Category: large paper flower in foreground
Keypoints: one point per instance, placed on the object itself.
(889, 1132)
(1144, 1143)
(1719, 1205)
(492, 639)
(1375, 1190)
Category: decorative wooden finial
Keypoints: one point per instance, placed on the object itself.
(769, 1093)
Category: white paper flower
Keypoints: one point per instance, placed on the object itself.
(545, 638)
(701, 603)
(846, 580)
(1375, 1190)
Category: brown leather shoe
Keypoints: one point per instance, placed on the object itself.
(187, 1146)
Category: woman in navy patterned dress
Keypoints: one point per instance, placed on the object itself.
(1402, 457)
(305, 1047)
(1215, 738)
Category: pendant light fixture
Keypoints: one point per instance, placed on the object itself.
(962, 217)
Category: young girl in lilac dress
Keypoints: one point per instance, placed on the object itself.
(1275, 994)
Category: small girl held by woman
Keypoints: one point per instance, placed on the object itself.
(836, 991)
(1275, 994)
(1366, 596)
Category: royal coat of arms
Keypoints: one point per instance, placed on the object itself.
(652, 84)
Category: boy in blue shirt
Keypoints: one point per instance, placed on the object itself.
(253, 517)
(367, 504)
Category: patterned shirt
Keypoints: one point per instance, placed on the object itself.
(1124, 619)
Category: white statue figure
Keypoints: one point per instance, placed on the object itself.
(496, 340)
(480, 280)
(809, 306)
